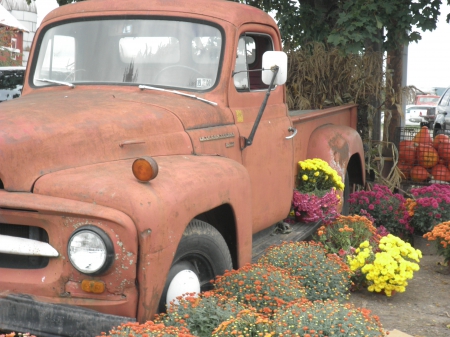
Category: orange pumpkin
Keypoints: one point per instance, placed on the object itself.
(440, 139)
(419, 174)
(405, 143)
(440, 172)
(427, 156)
(444, 151)
(405, 169)
(423, 136)
(407, 154)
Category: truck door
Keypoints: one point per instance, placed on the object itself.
(269, 159)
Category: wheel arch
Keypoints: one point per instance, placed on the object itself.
(223, 219)
(341, 147)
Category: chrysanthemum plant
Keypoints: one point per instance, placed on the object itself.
(263, 287)
(309, 207)
(315, 175)
(148, 329)
(430, 206)
(324, 276)
(345, 233)
(201, 314)
(315, 197)
(248, 322)
(386, 208)
(389, 268)
(440, 234)
(326, 318)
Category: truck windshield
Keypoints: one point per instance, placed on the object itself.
(166, 53)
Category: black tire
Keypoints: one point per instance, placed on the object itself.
(203, 250)
(346, 195)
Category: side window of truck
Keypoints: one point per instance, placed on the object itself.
(247, 70)
(59, 61)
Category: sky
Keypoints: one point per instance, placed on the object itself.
(429, 59)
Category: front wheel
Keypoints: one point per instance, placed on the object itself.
(202, 254)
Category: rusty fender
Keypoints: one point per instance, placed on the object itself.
(185, 187)
(337, 144)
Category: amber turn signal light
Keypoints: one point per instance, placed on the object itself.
(96, 287)
(145, 169)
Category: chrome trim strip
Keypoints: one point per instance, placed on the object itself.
(22, 246)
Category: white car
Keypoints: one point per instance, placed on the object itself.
(414, 114)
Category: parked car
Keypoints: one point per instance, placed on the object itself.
(442, 120)
(11, 82)
(417, 114)
(427, 99)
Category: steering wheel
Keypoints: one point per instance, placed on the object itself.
(177, 66)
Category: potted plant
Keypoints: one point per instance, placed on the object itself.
(386, 208)
(440, 234)
(430, 206)
(387, 266)
(324, 276)
(346, 232)
(315, 197)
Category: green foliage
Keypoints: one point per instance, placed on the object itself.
(201, 315)
(345, 233)
(147, 329)
(264, 287)
(247, 323)
(352, 24)
(329, 318)
(325, 276)
(60, 2)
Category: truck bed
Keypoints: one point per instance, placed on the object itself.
(273, 236)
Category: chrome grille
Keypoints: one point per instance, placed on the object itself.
(21, 261)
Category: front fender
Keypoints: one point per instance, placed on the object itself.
(161, 209)
(338, 145)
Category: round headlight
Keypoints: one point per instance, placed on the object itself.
(90, 250)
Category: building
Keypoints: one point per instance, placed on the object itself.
(18, 18)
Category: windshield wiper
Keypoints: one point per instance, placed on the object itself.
(142, 87)
(56, 82)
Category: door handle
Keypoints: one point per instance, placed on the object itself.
(294, 130)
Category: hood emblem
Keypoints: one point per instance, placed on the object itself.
(214, 137)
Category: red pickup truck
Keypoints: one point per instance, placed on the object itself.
(151, 142)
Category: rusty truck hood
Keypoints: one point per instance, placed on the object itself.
(62, 128)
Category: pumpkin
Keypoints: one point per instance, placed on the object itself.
(444, 151)
(419, 174)
(423, 136)
(407, 154)
(405, 143)
(427, 156)
(405, 169)
(440, 139)
(440, 172)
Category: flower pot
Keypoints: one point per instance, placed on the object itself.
(425, 246)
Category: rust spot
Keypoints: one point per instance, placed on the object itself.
(339, 146)
(146, 233)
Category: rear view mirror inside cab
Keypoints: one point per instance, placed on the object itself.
(271, 59)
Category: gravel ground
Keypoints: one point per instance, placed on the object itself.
(423, 310)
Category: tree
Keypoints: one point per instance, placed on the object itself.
(351, 24)
(60, 2)
(355, 26)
